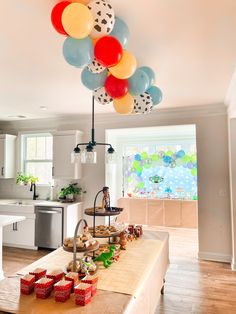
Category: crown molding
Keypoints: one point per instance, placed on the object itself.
(159, 114)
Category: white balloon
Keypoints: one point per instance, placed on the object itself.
(96, 67)
(104, 18)
(102, 97)
(143, 104)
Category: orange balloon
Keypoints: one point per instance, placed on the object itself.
(94, 40)
(126, 67)
(124, 105)
(81, 1)
(77, 20)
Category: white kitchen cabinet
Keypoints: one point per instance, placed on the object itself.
(20, 234)
(7, 156)
(64, 143)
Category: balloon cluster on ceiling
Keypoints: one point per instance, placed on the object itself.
(96, 41)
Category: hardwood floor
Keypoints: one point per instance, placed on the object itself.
(15, 259)
(192, 286)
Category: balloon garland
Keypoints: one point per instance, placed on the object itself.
(96, 41)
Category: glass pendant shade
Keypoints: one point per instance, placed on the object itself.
(75, 157)
(110, 158)
(88, 157)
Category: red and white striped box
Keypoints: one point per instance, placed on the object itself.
(56, 275)
(27, 284)
(62, 290)
(83, 294)
(43, 288)
(74, 277)
(38, 273)
(92, 280)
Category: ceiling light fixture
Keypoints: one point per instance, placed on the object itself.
(89, 155)
(43, 107)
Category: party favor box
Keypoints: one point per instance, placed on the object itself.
(43, 287)
(27, 284)
(74, 277)
(56, 275)
(92, 280)
(38, 273)
(62, 290)
(83, 293)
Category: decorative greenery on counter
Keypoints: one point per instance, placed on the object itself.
(25, 179)
(70, 191)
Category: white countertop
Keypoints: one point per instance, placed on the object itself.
(7, 220)
(30, 202)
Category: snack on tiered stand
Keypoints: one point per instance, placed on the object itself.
(83, 294)
(80, 244)
(27, 284)
(62, 290)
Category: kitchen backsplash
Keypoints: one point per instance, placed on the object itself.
(9, 189)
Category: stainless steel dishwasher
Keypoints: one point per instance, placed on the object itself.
(48, 227)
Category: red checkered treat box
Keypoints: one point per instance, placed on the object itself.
(56, 275)
(83, 293)
(43, 287)
(27, 284)
(62, 290)
(92, 280)
(38, 273)
(74, 277)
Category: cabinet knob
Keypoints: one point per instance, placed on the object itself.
(53, 171)
(2, 171)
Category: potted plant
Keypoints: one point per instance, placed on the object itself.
(24, 179)
(68, 193)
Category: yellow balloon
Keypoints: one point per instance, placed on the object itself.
(124, 105)
(77, 20)
(126, 67)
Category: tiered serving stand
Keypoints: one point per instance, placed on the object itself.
(75, 250)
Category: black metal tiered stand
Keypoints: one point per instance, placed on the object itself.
(110, 211)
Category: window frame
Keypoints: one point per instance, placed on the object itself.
(23, 155)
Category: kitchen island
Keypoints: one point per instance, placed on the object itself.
(6, 220)
(145, 261)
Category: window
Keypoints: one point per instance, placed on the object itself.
(37, 156)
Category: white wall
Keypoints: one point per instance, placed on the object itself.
(232, 158)
(213, 166)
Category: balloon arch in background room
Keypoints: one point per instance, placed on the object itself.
(96, 41)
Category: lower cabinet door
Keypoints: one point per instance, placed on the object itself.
(20, 233)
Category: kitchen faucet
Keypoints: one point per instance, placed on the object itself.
(33, 188)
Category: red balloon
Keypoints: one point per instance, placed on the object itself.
(56, 16)
(108, 51)
(116, 88)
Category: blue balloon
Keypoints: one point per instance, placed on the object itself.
(138, 83)
(151, 75)
(167, 159)
(156, 94)
(180, 153)
(137, 157)
(78, 52)
(93, 80)
(120, 31)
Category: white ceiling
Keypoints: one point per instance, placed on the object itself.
(191, 45)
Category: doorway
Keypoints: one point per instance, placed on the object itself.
(155, 176)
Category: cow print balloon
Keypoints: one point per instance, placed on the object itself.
(96, 67)
(102, 97)
(143, 104)
(104, 18)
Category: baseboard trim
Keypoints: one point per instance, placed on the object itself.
(21, 246)
(215, 257)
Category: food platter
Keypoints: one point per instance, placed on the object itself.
(114, 212)
(90, 248)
